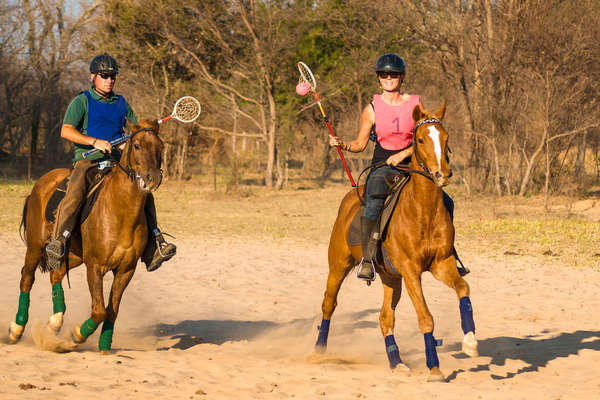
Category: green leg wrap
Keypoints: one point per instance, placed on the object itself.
(23, 311)
(58, 298)
(106, 336)
(88, 327)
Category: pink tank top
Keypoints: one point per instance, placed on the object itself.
(394, 124)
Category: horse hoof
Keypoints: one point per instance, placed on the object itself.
(76, 335)
(320, 349)
(401, 369)
(15, 332)
(55, 322)
(469, 345)
(435, 375)
(104, 352)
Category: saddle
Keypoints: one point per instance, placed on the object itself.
(395, 182)
(94, 179)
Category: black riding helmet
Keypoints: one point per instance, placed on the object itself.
(104, 64)
(390, 62)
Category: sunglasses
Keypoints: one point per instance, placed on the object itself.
(385, 75)
(104, 75)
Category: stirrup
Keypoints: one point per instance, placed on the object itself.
(366, 279)
(162, 256)
(55, 252)
(462, 270)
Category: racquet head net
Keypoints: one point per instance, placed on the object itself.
(307, 76)
(186, 109)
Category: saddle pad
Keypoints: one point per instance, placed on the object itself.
(94, 177)
(354, 231)
(55, 200)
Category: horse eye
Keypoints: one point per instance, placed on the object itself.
(136, 146)
(420, 140)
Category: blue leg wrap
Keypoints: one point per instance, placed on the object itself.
(466, 315)
(430, 352)
(392, 351)
(323, 333)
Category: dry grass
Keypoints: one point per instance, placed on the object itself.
(498, 227)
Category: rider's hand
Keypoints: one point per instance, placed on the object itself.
(397, 158)
(102, 145)
(335, 141)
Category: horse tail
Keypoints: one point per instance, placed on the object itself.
(23, 225)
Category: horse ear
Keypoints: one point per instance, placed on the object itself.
(130, 125)
(417, 113)
(440, 113)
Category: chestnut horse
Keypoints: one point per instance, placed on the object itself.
(112, 237)
(419, 238)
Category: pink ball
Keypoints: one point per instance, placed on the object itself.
(303, 88)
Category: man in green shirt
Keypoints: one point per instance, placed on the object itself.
(93, 119)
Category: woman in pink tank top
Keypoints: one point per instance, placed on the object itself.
(388, 121)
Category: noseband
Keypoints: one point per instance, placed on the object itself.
(129, 171)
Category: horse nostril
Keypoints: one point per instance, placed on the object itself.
(148, 178)
(450, 174)
(438, 174)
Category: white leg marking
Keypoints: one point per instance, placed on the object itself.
(469, 345)
(15, 331)
(434, 134)
(55, 322)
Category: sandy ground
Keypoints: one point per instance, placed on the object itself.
(236, 319)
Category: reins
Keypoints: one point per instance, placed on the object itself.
(130, 172)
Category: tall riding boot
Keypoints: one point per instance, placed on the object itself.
(157, 250)
(369, 236)
(67, 214)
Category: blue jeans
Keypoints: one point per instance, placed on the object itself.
(376, 185)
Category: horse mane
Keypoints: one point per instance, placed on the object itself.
(145, 123)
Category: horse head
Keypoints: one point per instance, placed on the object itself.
(142, 156)
(430, 144)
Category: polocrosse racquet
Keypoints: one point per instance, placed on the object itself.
(307, 76)
(187, 109)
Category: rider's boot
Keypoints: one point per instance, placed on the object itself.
(68, 214)
(157, 251)
(369, 239)
(55, 251)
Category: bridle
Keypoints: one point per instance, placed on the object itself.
(427, 173)
(129, 171)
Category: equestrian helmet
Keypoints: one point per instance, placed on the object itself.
(104, 64)
(390, 62)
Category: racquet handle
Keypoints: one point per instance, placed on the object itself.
(334, 135)
(113, 143)
(341, 156)
(160, 121)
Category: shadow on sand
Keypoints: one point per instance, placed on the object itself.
(190, 333)
(537, 353)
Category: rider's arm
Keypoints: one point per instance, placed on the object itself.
(360, 143)
(70, 133)
(73, 122)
